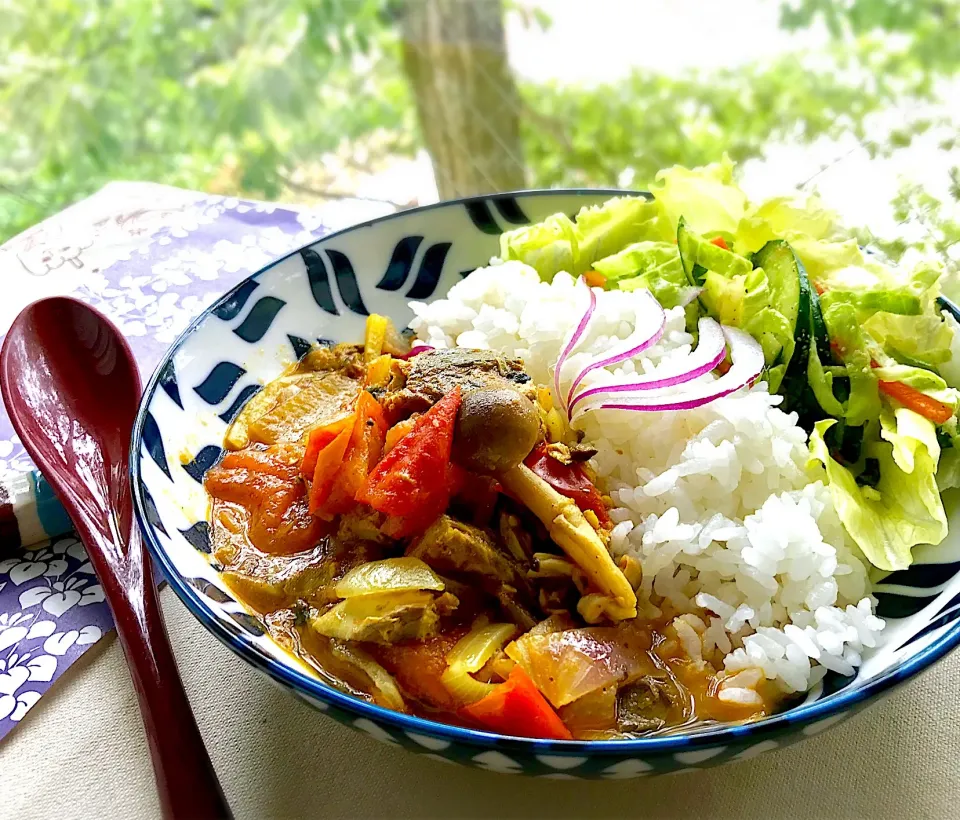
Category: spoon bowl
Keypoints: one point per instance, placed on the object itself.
(71, 387)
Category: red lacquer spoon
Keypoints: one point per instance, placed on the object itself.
(71, 387)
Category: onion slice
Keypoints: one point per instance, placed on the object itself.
(649, 315)
(747, 357)
(710, 351)
(575, 337)
(418, 348)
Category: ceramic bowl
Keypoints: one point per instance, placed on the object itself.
(325, 291)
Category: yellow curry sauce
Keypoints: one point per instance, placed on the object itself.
(426, 533)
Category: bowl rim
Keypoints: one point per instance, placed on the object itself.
(303, 684)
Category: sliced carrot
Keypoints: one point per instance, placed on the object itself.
(913, 399)
(363, 452)
(595, 279)
(267, 483)
(719, 242)
(329, 461)
(320, 437)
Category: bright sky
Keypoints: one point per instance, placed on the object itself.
(592, 41)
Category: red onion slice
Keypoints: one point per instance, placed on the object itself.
(649, 314)
(416, 350)
(575, 337)
(710, 351)
(747, 357)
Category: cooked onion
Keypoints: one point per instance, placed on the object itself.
(469, 655)
(567, 665)
(351, 618)
(477, 647)
(386, 690)
(390, 575)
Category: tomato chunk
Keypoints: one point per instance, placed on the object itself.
(267, 483)
(516, 707)
(570, 480)
(410, 480)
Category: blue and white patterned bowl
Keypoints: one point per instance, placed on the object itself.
(325, 291)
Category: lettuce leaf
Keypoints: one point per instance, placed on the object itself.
(903, 511)
(697, 250)
(604, 229)
(821, 383)
(639, 258)
(821, 258)
(558, 244)
(949, 368)
(771, 328)
(948, 470)
(548, 247)
(907, 431)
(851, 345)
(924, 340)
(901, 301)
(651, 265)
(920, 337)
(733, 300)
(784, 217)
(706, 198)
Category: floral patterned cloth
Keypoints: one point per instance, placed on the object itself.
(151, 258)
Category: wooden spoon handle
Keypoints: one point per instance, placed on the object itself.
(186, 781)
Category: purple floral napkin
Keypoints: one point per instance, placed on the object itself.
(151, 258)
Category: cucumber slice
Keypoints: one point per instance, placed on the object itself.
(784, 272)
(819, 327)
(792, 296)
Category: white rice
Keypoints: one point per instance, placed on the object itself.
(719, 504)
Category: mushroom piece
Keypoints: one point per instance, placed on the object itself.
(496, 430)
(574, 535)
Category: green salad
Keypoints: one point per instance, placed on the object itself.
(858, 348)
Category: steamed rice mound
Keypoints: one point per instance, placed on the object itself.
(730, 521)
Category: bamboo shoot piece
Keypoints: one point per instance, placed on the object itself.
(574, 535)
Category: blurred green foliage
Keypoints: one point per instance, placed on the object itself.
(245, 97)
(224, 94)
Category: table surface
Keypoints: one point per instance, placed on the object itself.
(278, 758)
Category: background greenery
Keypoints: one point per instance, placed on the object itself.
(262, 98)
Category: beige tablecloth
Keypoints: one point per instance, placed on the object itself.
(81, 753)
